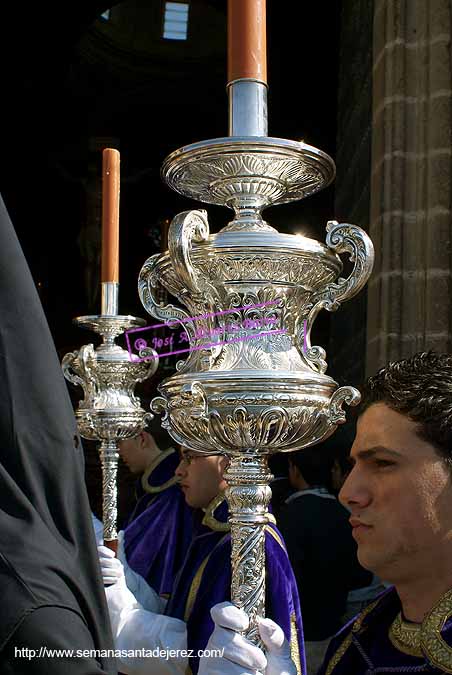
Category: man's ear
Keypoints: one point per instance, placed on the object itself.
(142, 438)
(224, 463)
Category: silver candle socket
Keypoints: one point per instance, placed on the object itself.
(247, 107)
(109, 300)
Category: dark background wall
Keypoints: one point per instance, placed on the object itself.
(347, 343)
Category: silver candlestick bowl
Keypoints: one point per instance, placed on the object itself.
(252, 384)
(109, 411)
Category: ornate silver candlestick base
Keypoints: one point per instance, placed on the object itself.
(109, 410)
(252, 384)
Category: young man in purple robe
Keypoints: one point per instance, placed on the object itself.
(158, 531)
(399, 494)
(203, 581)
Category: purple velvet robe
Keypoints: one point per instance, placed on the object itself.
(159, 530)
(364, 648)
(205, 579)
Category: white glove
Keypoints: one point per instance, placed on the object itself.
(111, 567)
(137, 630)
(277, 649)
(238, 655)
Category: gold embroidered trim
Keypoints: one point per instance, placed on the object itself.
(294, 647)
(209, 519)
(406, 637)
(275, 535)
(355, 628)
(271, 518)
(155, 489)
(435, 648)
(425, 639)
(339, 654)
(194, 588)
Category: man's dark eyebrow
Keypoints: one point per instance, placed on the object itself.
(371, 452)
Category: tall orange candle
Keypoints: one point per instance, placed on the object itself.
(247, 40)
(110, 215)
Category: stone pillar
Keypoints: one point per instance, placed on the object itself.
(410, 291)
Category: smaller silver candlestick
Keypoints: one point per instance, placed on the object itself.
(109, 410)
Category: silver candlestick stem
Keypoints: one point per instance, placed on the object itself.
(108, 453)
(248, 496)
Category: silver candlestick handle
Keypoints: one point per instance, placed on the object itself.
(341, 238)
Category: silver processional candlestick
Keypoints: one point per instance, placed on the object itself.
(264, 393)
(109, 411)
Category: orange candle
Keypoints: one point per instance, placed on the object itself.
(247, 40)
(110, 215)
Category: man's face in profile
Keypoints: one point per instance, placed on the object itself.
(138, 452)
(200, 477)
(399, 492)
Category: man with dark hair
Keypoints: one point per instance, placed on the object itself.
(399, 492)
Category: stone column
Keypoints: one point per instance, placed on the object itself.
(410, 291)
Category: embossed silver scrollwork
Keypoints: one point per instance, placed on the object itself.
(109, 457)
(269, 429)
(348, 395)
(243, 429)
(187, 227)
(341, 238)
(175, 317)
(147, 283)
(248, 497)
(347, 238)
(248, 573)
(193, 399)
(77, 369)
(69, 373)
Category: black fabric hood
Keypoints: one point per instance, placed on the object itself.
(47, 549)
